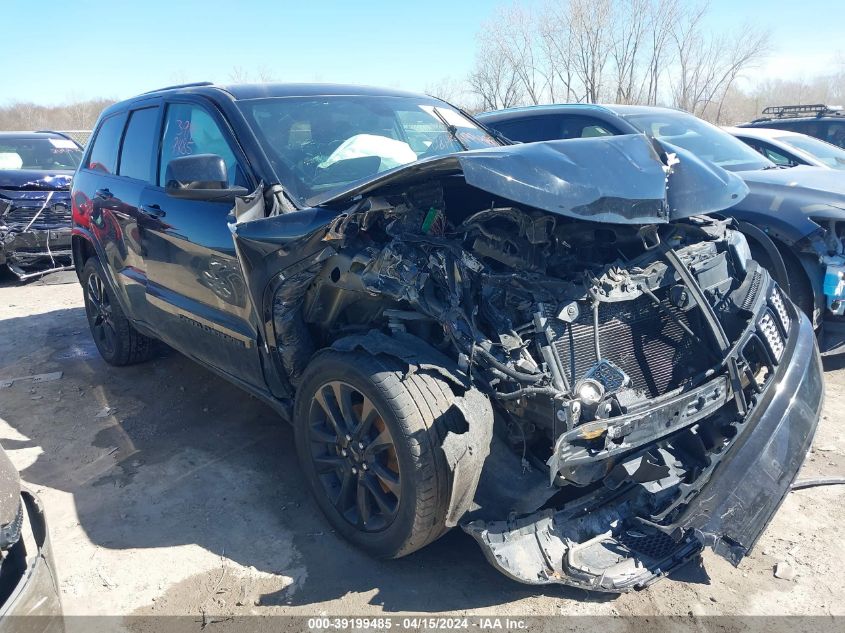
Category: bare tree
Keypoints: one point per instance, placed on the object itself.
(708, 64)
(630, 19)
(494, 81)
(591, 23)
(555, 32)
(511, 33)
(449, 89)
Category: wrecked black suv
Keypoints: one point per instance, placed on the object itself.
(547, 344)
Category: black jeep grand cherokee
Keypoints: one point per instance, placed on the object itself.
(546, 344)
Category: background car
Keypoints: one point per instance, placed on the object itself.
(801, 211)
(36, 169)
(818, 120)
(789, 149)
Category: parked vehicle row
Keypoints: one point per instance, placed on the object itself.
(817, 120)
(790, 149)
(554, 345)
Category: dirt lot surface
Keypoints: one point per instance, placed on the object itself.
(169, 491)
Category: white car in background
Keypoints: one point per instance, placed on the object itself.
(790, 148)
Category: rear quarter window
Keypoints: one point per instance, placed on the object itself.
(103, 155)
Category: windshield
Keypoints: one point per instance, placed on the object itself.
(39, 153)
(320, 143)
(699, 137)
(826, 153)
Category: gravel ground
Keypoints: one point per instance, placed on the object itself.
(169, 491)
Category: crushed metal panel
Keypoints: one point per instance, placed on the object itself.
(616, 179)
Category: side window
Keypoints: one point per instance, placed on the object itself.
(189, 129)
(136, 153)
(103, 156)
(834, 133)
(538, 128)
(753, 144)
(777, 157)
(585, 127)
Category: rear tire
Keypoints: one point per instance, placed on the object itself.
(405, 486)
(118, 342)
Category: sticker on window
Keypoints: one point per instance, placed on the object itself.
(63, 143)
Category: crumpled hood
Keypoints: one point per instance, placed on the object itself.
(34, 179)
(627, 179)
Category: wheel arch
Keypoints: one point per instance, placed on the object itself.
(82, 249)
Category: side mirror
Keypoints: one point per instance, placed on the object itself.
(200, 177)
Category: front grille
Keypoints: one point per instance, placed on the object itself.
(654, 545)
(779, 304)
(771, 335)
(639, 337)
(21, 213)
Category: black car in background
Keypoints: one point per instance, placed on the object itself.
(801, 210)
(36, 169)
(545, 343)
(824, 122)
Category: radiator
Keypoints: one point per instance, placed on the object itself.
(638, 336)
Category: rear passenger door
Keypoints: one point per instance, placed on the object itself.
(195, 286)
(121, 159)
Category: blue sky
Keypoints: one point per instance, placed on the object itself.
(102, 48)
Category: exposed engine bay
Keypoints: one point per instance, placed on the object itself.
(568, 324)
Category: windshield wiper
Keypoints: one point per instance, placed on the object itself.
(453, 129)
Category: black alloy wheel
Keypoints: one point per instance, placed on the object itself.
(354, 456)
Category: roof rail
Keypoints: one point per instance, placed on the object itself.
(174, 87)
(786, 111)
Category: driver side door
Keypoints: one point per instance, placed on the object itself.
(195, 286)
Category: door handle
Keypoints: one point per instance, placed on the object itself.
(105, 194)
(153, 210)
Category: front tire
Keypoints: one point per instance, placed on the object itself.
(369, 439)
(118, 342)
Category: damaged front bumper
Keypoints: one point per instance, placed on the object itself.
(35, 231)
(35, 252)
(597, 542)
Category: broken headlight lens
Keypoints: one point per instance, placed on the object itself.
(778, 302)
(769, 329)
